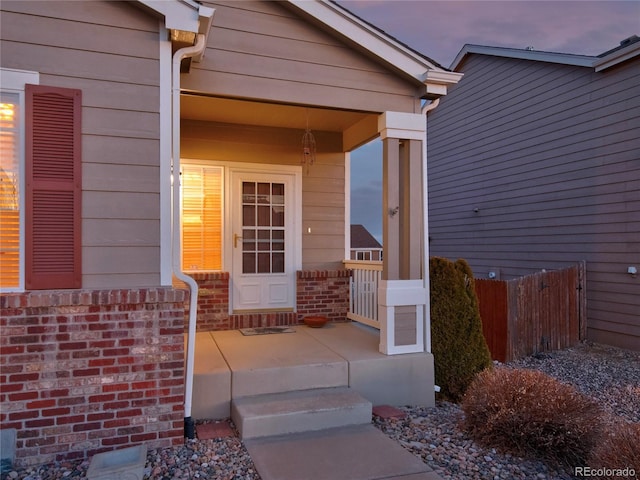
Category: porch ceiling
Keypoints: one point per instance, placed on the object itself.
(245, 112)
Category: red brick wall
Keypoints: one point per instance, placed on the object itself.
(82, 372)
(213, 302)
(323, 293)
(318, 293)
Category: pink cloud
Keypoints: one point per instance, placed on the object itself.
(439, 29)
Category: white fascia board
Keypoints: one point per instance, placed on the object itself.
(178, 14)
(437, 81)
(370, 39)
(411, 126)
(617, 57)
(442, 77)
(205, 22)
(549, 57)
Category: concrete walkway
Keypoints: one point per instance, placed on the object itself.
(348, 453)
(234, 369)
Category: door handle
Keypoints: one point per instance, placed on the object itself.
(235, 240)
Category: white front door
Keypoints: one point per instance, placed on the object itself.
(263, 240)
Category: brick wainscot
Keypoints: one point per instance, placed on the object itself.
(82, 372)
(324, 292)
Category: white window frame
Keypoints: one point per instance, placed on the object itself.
(228, 167)
(363, 254)
(13, 81)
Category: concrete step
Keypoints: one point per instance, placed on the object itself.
(299, 411)
(211, 380)
(264, 364)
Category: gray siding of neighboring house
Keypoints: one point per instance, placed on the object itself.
(536, 166)
(109, 50)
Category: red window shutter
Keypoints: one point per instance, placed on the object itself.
(53, 180)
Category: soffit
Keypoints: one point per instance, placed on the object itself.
(244, 112)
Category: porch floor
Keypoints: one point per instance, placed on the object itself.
(229, 365)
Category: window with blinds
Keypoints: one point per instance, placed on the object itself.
(201, 217)
(9, 191)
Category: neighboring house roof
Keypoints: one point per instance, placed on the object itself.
(361, 238)
(627, 49)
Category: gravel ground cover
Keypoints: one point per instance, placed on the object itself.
(610, 375)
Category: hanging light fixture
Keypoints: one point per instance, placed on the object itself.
(308, 147)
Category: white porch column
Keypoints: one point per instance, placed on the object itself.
(402, 296)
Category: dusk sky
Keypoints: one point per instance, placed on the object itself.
(439, 29)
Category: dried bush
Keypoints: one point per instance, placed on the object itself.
(617, 450)
(459, 348)
(529, 413)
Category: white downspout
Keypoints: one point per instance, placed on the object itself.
(176, 224)
(425, 234)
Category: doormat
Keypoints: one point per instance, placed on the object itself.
(266, 330)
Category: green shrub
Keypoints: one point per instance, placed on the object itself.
(528, 412)
(620, 448)
(459, 348)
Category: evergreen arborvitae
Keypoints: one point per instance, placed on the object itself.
(458, 345)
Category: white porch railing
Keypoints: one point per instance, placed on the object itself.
(363, 303)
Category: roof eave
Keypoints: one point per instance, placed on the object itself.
(517, 53)
(616, 57)
(437, 81)
(178, 14)
(377, 43)
(182, 16)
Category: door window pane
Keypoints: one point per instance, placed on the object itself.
(249, 262)
(248, 215)
(278, 240)
(264, 263)
(278, 263)
(263, 216)
(263, 227)
(264, 193)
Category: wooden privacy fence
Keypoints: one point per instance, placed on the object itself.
(540, 312)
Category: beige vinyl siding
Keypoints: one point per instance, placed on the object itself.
(323, 197)
(323, 186)
(264, 50)
(109, 50)
(549, 155)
